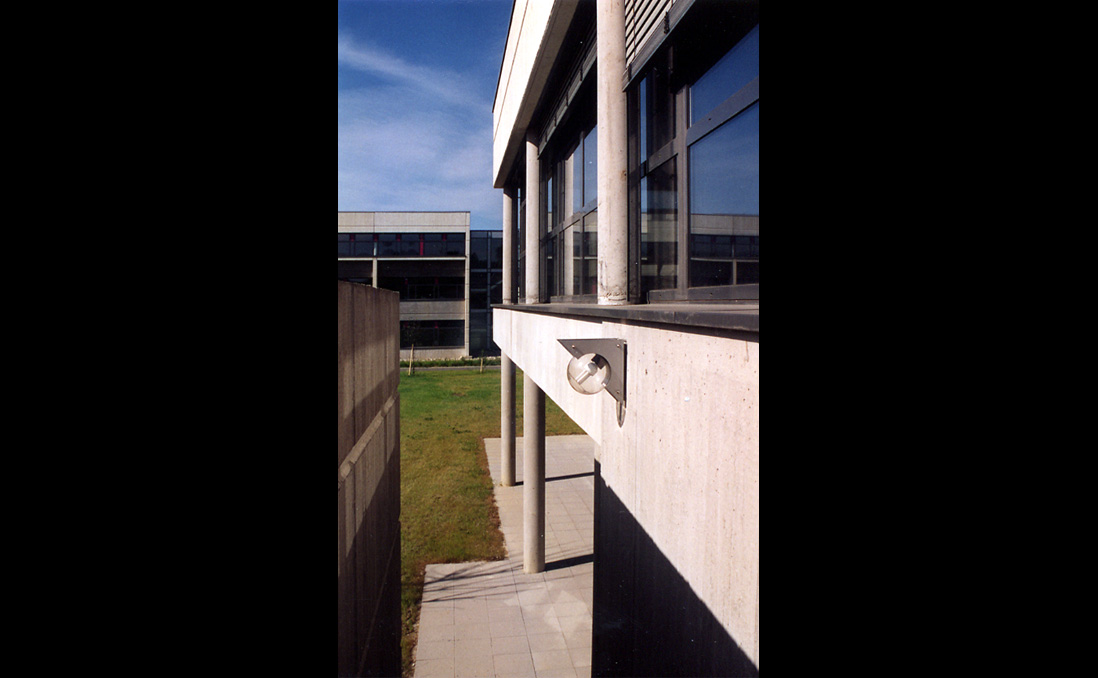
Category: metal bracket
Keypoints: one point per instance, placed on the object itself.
(613, 350)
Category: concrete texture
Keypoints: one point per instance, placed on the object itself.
(368, 463)
(490, 619)
(683, 465)
(613, 168)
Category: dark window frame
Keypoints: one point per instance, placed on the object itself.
(569, 144)
(666, 78)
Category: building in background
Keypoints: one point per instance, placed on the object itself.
(446, 276)
(626, 142)
(485, 289)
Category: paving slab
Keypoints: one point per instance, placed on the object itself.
(489, 618)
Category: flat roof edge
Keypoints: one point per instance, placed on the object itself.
(730, 317)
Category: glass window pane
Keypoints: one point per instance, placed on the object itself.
(590, 252)
(478, 255)
(734, 70)
(549, 247)
(386, 245)
(549, 204)
(659, 235)
(574, 182)
(590, 165)
(724, 198)
(408, 244)
(432, 245)
(747, 272)
(451, 332)
(657, 112)
(497, 250)
(363, 247)
(454, 244)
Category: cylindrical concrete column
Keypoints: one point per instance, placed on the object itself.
(613, 169)
(533, 221)
(506, 367)
(373, 272)
(507, 420)
(509, 244)
(533, 477)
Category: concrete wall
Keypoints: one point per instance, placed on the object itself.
(368, 462)
(677, 491)
(396, 222)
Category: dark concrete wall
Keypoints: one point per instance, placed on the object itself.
(368, 463)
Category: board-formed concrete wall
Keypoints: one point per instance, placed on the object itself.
(677, 491)
(368, 463)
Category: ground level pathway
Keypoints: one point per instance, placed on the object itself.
(490, 619)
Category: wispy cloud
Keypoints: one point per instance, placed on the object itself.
(448, 86)
(412, 137)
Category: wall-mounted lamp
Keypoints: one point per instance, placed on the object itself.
(597, 365)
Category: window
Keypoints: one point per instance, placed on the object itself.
(570, 189)
(453, 244)
(432, 245)
(356, 244)
(734, 70)
(406, 244)
(724, 202)
(387, 245)
(423, 288)
(659, 232)
(425, 333)
(694, 159)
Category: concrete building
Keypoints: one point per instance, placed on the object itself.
(424, 257)
(446, 274)
(626, 142)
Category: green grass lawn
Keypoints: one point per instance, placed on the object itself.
(447, 512)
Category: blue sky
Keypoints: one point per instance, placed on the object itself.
(416, 83)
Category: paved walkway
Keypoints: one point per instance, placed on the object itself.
(490, 619)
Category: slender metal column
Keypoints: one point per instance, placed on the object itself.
(613, 182)
(533, 477)
(507, 368)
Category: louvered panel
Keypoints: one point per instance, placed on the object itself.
(579, 70)
(642, 19)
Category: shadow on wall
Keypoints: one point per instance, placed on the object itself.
(369, 588)
(647, 620)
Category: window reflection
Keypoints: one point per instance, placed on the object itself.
(659, 235)
(657, 110)
(734, 70)
(549, 204)
(724, 203)
(575, 239)
(590, 166)
(574, 180)
(432, 245)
